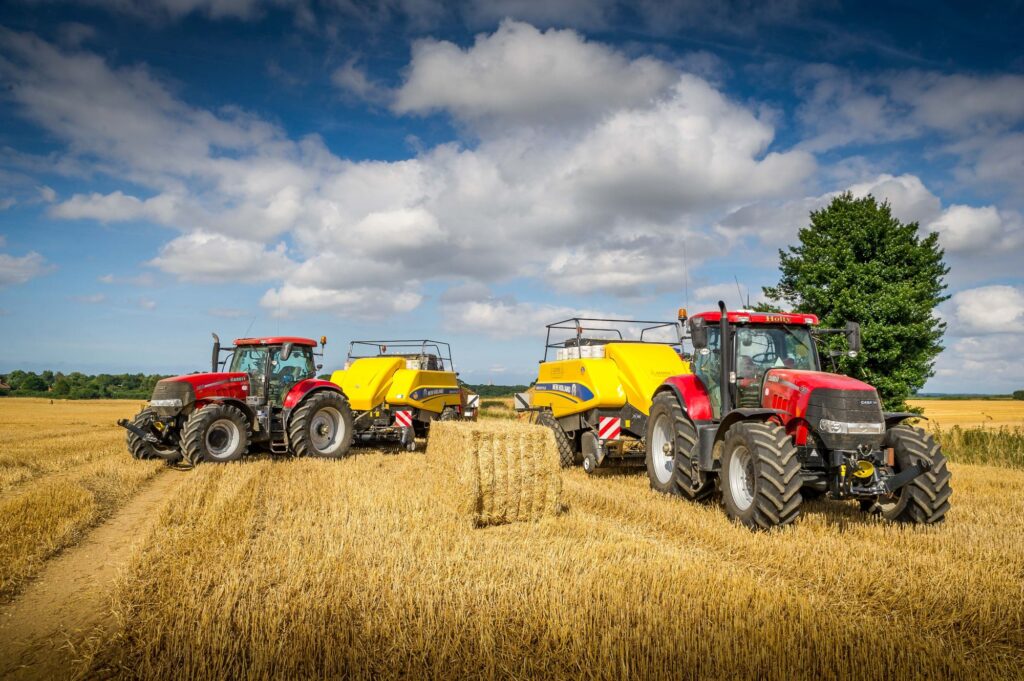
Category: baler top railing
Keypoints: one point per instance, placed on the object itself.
(577, 327)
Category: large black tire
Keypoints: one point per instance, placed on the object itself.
(140, 449)
(760, 477)
(670, 470)
(925, 500)
(216, 433)
(566, 452)
(321, 426)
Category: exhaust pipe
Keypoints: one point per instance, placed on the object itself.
(725, 353)
(215, 362)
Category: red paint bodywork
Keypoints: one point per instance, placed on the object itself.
(748, 317)
(234, 385)
(276, 340)
(303, 388)
(694, 394)
(790, 390)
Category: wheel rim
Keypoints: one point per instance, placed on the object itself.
(222, 438)
(662, 449)
(326, 430)
(741, 477)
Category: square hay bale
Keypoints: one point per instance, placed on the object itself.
(496, 472)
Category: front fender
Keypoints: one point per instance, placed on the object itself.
(737, 415)
(893, 418)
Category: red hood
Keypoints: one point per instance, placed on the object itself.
(220, 384)
(818, 379)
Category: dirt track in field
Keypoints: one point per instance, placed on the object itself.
(67, 601)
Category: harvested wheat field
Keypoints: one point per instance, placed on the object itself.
(972, 413)
(358, 569)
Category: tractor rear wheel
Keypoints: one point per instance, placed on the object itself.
(322, 426)
(566, 453)
(671, 444)
(140, 449)
(924, 500)
(216, 433)
(760, 476)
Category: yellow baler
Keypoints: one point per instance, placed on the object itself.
(596, 393)
(397, 392)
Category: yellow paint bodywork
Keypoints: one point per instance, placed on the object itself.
(629, 372)
(373, 381)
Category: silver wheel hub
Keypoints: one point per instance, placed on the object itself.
(327, 430)
(222, 438)
(741, 477)
(662, 449)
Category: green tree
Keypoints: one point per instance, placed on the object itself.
(857, 262)
(1018, 394)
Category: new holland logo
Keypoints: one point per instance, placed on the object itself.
(577, 390)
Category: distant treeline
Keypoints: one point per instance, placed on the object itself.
(79, 386)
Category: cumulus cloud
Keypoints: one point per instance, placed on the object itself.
(352, 78)
(520, 75)
(201, 256)
(964, 230)
(18, 270)
(473, 309)
(358, 302)
(988, 309)
(608, 204)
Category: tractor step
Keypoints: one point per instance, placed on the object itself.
(278, 447)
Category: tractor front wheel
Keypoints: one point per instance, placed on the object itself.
(322, 426)
(925, 499)
(140, 449)
(760, 476)
(671, 444)
(216, 433)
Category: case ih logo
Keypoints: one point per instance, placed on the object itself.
(609, 428)
(403, 419)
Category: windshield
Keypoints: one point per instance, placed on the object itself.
(760, 348)
(251, 359)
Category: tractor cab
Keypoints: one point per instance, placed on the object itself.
(273, 365)
(758, 343)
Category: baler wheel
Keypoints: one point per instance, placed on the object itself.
(566, 454)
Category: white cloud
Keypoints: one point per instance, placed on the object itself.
(988, 309)
(359, 302)
(147, 303)
(7, 203)
(18, 270)
(144, 279)
(520, 75)
(351, 78)
(201, 256)
(968, 229)
(47, 194)
(504, 317)
(91, 299)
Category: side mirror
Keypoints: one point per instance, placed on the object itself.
(286, 352)
(319, 367)
(698, 334)
(853, 338)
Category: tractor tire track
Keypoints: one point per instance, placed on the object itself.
(68, 600)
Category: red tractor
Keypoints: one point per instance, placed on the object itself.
(760, 420)
(268, 397)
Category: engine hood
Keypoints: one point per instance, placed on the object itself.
(806, 381)
(197, 387)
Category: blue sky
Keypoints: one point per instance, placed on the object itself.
(472, 170)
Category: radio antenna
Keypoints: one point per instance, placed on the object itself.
(740, 292)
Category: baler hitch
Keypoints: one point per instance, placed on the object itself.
(148, 437)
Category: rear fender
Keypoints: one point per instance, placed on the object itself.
(692, 395)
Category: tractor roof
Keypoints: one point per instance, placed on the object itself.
(751, 317)
(276, 340)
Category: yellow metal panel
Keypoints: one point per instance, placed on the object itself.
(428, 390)
(642, 368)
(629, 372)
(367, 380)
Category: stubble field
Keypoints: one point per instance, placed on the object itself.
(354, 568)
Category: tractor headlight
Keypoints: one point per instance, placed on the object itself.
(165, 403)
(846, 428)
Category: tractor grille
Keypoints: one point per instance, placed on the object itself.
(846, 406)
(173, 390)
